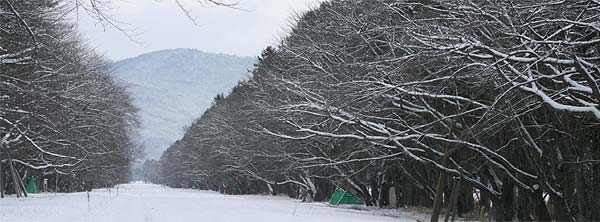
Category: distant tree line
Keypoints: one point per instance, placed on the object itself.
(62, 116)
(466, 105)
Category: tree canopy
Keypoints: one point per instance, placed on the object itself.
(497, 102)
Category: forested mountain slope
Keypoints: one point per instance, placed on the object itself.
(173, 87)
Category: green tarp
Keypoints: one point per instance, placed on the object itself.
(32, 187)
(341, 196)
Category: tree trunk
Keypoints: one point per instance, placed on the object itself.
(580, 189)
(1, 176)
(20, 180)
(271, 191)
(594, 190)
(541, 209)
(379, 194)
(503, 206)
(561, 213)
(466, 200)
(515, 203)
(438, 201)
(452, 203)
(14, 177)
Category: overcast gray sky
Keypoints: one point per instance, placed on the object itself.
(162, 25)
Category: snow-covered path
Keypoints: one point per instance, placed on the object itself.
(138, 202)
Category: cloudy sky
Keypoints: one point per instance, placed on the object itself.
(161, 24)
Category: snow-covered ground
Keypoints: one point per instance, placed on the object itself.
(147, 202)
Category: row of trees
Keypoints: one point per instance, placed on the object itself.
(62, 116)
(458, 104)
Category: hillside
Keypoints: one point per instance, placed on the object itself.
(174, 87)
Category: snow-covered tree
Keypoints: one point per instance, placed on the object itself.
(61, 114)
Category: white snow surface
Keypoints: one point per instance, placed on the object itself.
(148, 202)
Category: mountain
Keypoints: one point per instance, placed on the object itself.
(173, 87)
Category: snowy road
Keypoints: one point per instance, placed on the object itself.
(147, 202)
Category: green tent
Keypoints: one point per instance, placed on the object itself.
(32, 187)
(341, 196)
